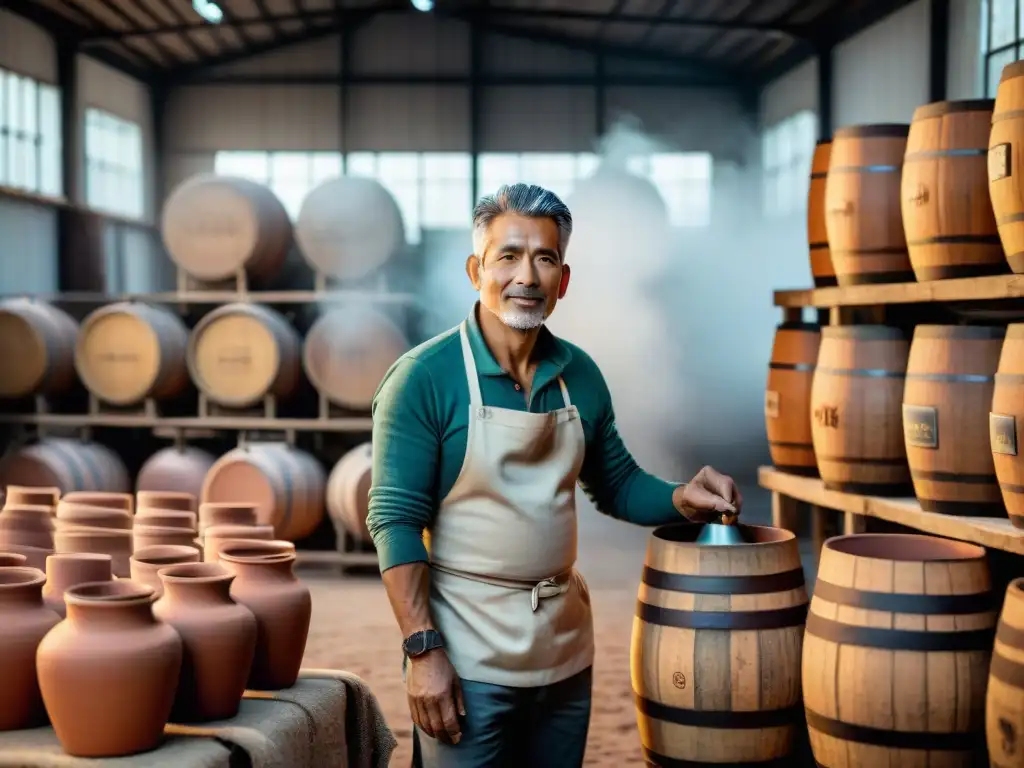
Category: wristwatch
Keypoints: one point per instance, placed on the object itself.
(420, 642)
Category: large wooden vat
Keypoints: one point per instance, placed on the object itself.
(1004, 700)
(69, 465)
(1006, 165)
(787, 397)
(128, 352)
(349, 227)
(862, 205)
(896, 652)
(175, 469)
(240, 353)
(856, 424)
(946, 405)
(348, 489)
(817, 237)
(347, 352)
(286, 484)
(715, 657)
(947, 214)
(214, 226)
(41, 338)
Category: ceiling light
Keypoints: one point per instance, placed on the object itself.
(423, 5)
(209, 10)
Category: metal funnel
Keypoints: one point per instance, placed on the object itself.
(724, 532)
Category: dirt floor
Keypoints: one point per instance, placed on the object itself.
(353, 629)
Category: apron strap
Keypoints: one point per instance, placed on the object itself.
(472, 379)
(565, 392)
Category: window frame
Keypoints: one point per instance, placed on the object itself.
(45, 177)
(787, 153)
(112, 172)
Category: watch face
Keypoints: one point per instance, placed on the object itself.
(416, 644)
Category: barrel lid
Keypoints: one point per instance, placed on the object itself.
(940, 108)
(1012, 70)
(863, 332)
(874, 131)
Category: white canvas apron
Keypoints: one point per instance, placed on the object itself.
(503, 591)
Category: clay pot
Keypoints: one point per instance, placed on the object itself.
(179, 500)
(27, 526)
(148, 561)
(69, 570)
(215, 536)
(122, 501)
(35, 557)
(152, 536)
(12, 560)
(37, 497)
(72, 514)
(108, 673)
(104, 541)
(24, 621)
(166, 518)
(218, 637)
(213, 513)
(265, 584)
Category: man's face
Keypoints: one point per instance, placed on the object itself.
(519, 275)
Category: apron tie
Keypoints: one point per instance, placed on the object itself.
(545, 589)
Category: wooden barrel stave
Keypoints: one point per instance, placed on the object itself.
(285, 484)
(946, 402)
(1006, 163)
(348, 487)
(1003, 420)
(856, 423)
(862, 205)
(788, 397)
(240, 353)
(42, 338)
(1004, 697)
(214, 226)
(947, 214)
(896, 651)
(128, 352)
(701, 695)
(817, 236)
(175, 469)
(69, 465)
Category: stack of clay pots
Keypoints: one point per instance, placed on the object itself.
(109, 659)
(26, 523)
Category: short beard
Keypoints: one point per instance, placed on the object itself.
(522, 320)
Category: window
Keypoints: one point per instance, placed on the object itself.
(1002, 35)
(29, 135)
(291, 175)
(787, 150)
(114, 170)
(682, 178)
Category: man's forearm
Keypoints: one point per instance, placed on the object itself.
(408, 588)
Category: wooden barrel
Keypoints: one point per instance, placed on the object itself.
(787, 397)
(175, 469)
(1007, 409)
(41, 338)
(1005, 165)
(349, 227)
(896, 651)
(715, 658)
(862, 205)
(67, 464)
(1004, 700)
(947, 215)
(240, 353)
(128, 352)
(348, 489)
(946, 402)
(347, 352)
(286, 484)
(856, 424)
(817, 238)
(214, 226)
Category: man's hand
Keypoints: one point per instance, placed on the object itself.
(709, 495)
(435, 696)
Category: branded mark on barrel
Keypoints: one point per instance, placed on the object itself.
(1009, 734)
(218, 226)
(921, 426)
(998, 162)
(771, 404)
(240, 356)
(846, 209)
(679, 680)
(1002, 434)
(920, 196)
(117, 357)
(827, 416)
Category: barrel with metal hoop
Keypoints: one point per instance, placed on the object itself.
(717, 638)
(1004, 699)
(787, 397)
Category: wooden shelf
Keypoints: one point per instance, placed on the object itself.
(136, 421)
(965, 289)
(995, 533)
(225, 297)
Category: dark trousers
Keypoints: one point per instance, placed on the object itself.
(515, 727)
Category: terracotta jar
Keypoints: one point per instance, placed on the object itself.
(108, 673)
(72, 514)
(104, 541)
(265, 583)
(225, 513)
(27, 526)
(147, 563)
(12, 560)
(216, 535)
(179, 500)
(41, 497)
(68, 570)
(153, 536)
(24, 621)
(166, 518)
(218, 637)
(35, 557)
(122, 501)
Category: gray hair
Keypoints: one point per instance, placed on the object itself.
(524, 200)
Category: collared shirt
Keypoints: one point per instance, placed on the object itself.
(420, 425)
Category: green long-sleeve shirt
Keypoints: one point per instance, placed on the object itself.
(420, 422)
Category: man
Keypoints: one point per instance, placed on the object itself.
(479, 437)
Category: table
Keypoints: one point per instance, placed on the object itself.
(329, 719)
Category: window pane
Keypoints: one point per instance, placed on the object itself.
(400, 166)
(361, 164)
(996, 62)
(1002, 28)
(289, 167)
(325, 165)
(447, 165)
(114, 164)
(248, 165)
